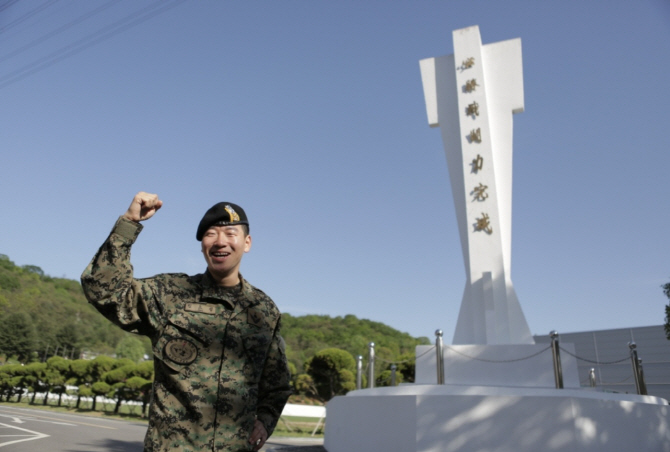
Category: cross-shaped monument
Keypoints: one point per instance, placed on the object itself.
(471, 96)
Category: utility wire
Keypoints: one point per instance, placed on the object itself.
(58, 30)
(7, 5)
(87, 42)
(27, 16)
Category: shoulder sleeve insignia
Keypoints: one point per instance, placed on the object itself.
(181, 351)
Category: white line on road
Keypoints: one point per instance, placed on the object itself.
(13, 418)
(35, 435)
(38, 418)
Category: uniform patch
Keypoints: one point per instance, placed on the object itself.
(181, 351)
(255, 317)
(201, 307)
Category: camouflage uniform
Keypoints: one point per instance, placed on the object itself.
(219, 359)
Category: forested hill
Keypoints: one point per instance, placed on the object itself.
(43, 313)
(309, 334)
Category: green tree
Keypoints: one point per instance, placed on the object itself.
(130, 347)
(139, 389)
(145, 369)
(304, 384)
(19, 382)
(99, 388)
(80, 376)
(17, 336)
(407, 367)
(33, 269)
(84, 391)
(99, 366)
(117, 378)
(35, 377)
(332, 371)
(384, 378)
(69, 338)
(10, 377)
(56, 375)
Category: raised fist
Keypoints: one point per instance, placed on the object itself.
(143, 207)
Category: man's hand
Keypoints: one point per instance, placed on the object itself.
(259, 435)
(143, 207)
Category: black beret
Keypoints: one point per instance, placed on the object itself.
(223, 213)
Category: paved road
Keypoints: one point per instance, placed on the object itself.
(26, 430)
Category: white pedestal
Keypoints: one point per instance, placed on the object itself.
(450, 418)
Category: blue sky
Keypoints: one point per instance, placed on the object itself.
(311, 116)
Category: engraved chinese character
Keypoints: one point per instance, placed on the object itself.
(483, 224)
(467, 64)
(470, 85)
(476, 135)
(480, 192)
(473, 109)
(477, 163)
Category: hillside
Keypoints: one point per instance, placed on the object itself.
(306, 335)
(57, 314)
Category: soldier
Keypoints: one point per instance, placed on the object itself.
(221, 375)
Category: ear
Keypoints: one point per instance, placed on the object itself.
(247, 243)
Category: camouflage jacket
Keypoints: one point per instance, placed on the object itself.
(218, 357)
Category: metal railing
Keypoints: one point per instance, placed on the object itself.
(555, 347)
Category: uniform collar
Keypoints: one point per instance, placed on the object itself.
(238, 300)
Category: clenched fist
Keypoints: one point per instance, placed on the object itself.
(143, 207)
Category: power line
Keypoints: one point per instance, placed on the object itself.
(7, 4)
(60, 29)
(27, 16)
(88, 41)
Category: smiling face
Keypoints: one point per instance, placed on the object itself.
(223, 248)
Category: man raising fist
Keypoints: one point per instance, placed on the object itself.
(221, 375)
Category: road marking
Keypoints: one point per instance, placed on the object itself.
(35, 435)
(13, 418)
(60, 421)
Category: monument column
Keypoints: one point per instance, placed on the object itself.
(471, 95)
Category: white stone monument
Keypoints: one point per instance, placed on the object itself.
(471, 95)
(499, 393)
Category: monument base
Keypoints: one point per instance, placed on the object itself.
(455, 418)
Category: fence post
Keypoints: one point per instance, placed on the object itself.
(558, 371)
(592, 377)
(634, 361)
(371, 365)
(359, 372)
(643, 385)
(393, 369)
(440, 357)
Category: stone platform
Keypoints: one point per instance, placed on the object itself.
(460, 418)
